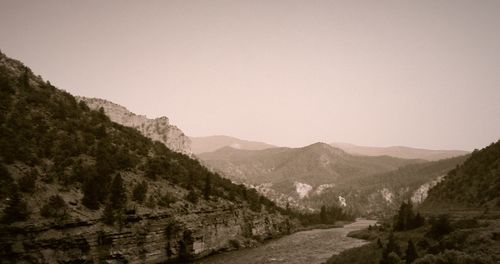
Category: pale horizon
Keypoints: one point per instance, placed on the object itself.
(288, 73)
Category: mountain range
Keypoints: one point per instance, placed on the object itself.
(399, 152)
(297, 172)
(305, 177)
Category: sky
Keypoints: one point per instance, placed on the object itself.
(290, 73)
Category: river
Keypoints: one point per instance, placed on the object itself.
(311, 247)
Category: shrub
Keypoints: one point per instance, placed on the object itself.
(27, 183)
(166, 199)
(16, 210)
(151, 203)
(192, 196)
(55, 207)
(440, 227)
(140, 191)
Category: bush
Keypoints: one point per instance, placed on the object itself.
(27, 183)
(166, 199)
(140, 191)
(440, 227)
(55, 207)
(16, 210)
(192, 196)
(151, 203)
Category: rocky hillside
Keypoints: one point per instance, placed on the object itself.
(475, 183)
(158, 129)
(399, 152)
(212, 143)
(297, 172)
(76, 187)
(381, 194)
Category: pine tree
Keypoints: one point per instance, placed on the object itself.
(322, 214)
(140, 191)
(16, 210)
(118, 196)
(192, 196)
(91, 193)
(116, 203)
(391, 247)
(208, 187)
(411, 252)
(55, 207)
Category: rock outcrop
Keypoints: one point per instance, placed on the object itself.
(146, 238)
(156, 129)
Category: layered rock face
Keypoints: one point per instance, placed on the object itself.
(156, 129)
(147, 238)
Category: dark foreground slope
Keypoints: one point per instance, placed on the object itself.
(76, 187)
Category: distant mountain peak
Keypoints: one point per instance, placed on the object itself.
(212, 143)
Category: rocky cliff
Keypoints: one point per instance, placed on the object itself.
(145, 238)
(157, 129)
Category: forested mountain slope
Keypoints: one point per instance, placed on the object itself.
(474, 183)
(67, 168)
(381, 194)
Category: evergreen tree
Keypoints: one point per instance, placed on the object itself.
(418, 221)
(411, 252)
(192, 196)
(55, 207)
(208, 187)
(16, 210)
(406, 219)
(391, 247)
(27, 183)
(322, 215)
(91, 193)
(140, 191)
(118, 196)
(108, 215)
(115, 206)
(379, 243)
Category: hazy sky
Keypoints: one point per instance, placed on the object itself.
(290, 73)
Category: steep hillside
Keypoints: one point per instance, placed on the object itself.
(381, 194)
(76, 187)
(297, 171)
(212, 143)
(158, 129)
(476, 183)
(399, 152)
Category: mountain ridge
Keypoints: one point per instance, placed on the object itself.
(399, 151)
(314, 165)
(212, 143)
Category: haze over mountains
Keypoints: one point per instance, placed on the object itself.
(212, 143)
(399, 152)
(174, 138)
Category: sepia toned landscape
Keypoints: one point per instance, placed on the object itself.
(250, 132)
